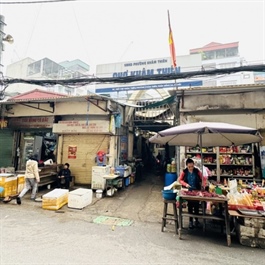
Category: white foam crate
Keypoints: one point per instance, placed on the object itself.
(80, 198)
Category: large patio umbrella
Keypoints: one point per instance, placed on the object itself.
(207, 134)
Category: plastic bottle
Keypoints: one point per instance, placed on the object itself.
(168, 168)
(173, 167)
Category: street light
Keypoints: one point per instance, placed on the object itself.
(8, 38)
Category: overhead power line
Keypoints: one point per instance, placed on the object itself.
(34, 2)
(129, 79)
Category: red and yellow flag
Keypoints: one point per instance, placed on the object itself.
(171, 45)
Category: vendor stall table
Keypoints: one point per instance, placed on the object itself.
(110, 182)
(222, 201)
(249, 226)
(236, 214)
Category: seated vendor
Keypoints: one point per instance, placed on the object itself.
(64, 177)
(191, 178)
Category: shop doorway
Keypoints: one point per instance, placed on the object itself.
(43, 144)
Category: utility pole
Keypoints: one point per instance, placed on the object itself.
(8, 38)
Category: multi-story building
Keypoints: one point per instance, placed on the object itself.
(219, 56)
(47, 69)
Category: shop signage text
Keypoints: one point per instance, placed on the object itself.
(31, 122)
(144, 72)
(92, 126)
(150, 86)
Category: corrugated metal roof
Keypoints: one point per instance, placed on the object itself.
(41, 96)
(37, 94)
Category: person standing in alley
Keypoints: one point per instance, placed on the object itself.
(191, 178)
(64, 176)
(32, 178)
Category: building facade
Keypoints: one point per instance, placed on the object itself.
(219, 56)
(46, 69)
(43, 123)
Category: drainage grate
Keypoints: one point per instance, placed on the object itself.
(107, 220)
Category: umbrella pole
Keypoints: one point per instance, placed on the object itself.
(200, 137)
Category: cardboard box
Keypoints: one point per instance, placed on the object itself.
(9, 183)
(80, 198)
(55, 199)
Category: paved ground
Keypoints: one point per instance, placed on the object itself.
(31, 235)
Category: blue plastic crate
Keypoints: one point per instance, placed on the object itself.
(120, 170)
(127, 181)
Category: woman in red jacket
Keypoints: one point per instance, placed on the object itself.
(191, 178)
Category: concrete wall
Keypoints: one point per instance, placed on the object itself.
(223, 102)
(245, 109)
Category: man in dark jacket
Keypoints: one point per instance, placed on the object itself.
(191, 178)
(64, 176)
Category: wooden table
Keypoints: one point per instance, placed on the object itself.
(222, 202)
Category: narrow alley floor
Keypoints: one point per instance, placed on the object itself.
(140, 202)
(71, 236)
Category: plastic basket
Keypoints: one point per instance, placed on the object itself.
(120, 170)
(168, 195)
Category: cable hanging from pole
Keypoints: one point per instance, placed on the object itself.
(34, 2)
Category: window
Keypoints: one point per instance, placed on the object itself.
(34, 68)
(231, 52)
(220, 53)
(209, 55)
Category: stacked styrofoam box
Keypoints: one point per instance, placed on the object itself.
(124, 171)
(127, 172)
(80, 198)
(20, 183)
(254, 222)
(55, 199)
(252, 233)
(9, 183)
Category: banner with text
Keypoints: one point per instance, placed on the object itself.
(72, 127)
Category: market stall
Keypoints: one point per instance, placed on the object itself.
(250, 226)
(246, 203)
(204, 198)
(235, 206)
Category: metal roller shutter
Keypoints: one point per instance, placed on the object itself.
(87, 148)
(6, 146)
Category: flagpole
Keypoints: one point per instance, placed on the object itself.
(168, 19)
(174, 65)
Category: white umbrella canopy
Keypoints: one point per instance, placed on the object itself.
(207, 134)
